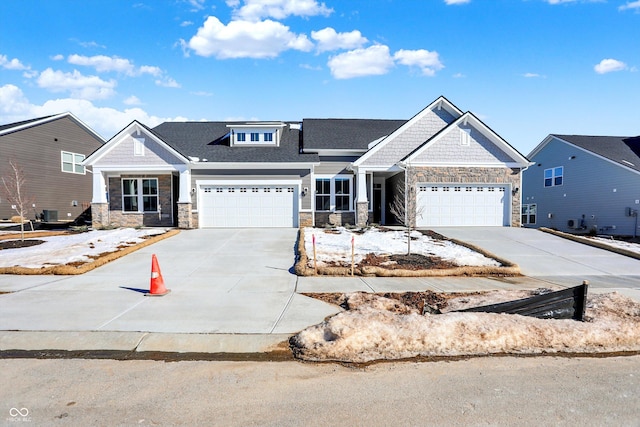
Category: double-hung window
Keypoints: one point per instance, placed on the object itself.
(255, 137)
(241, 136)
(334, 194)
(553, 177)
(140, 195)
(529, 212)
(72, 162)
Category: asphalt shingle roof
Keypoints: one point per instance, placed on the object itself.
(209, 140)
(345, 134)
(24, 122)
(620, 149)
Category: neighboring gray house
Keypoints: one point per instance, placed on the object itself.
(50, 151)
(314, 172)
(585, 184)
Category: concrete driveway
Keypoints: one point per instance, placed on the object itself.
(221, 281)
(544, 256)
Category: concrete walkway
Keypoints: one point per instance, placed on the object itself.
(233, 291)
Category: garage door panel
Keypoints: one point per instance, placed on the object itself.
(248, 206)
(463, 205)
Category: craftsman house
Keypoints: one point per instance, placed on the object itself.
(318, 171)
(50, 151)
(584, 184)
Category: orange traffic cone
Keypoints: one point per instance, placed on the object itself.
(157, 288)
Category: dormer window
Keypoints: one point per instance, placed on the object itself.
(261, 134)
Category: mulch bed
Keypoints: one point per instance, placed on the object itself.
(16, 244)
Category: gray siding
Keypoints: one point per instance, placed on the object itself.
(448, 149)
(417, 133)
(593, 187)
(37, 150)
(332, 165)
(154, 153)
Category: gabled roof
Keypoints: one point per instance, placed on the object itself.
(470, 118)
(440, 103)
(210, 140)
(624, 150)
(345, 134)
(25, 124)
(131, 127)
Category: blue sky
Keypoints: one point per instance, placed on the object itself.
(527, 68)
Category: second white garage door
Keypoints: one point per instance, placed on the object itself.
(463, 205)
(248, 206)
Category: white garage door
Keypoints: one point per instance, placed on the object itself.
(463, 205)
(248, 206)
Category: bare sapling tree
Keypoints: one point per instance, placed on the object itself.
(404, 206)
(13, 187)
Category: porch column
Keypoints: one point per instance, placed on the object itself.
(99, 205)
(362, 203)
(185, 219)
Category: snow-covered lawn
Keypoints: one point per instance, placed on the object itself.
(81, 247)
(335, 246)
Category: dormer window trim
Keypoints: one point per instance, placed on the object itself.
(261, 134)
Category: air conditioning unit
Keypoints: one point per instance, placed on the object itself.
(573, 223)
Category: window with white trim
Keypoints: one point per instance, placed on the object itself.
(529, 212)
(553, 177)
(241, 137)
(268, 137)
(255, 137)
(72, 162)
(334, 194)
(140, 194)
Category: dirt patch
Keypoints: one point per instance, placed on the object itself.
(17, 244)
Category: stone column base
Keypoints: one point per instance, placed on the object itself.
(185, 219)
(362, 214)
(99, 215)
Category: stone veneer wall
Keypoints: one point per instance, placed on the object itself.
(306, 219)
(471, 175)
(185, 219)
(99, 215)
(119, 218)
(335, 218)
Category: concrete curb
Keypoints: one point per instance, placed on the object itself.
(139, 342)
(591, 242)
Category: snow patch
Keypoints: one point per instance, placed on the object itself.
(335, 246)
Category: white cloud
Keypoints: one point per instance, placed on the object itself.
(103, 64)
(457, 1)
(329, 39)
(14, 106)
(459, 76)
(609, 66)
(254, 10)
(634, 5)
(428, 62)
(57, 57)
(132, 100)
(374, 60)
(78, 85)
(167, 82)
(245, 39)
(13, 64)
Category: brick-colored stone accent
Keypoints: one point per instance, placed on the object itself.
(335, 218)
(99, 215)
(306, 219)
(362, 213)
(184, 215)
(471, 175)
